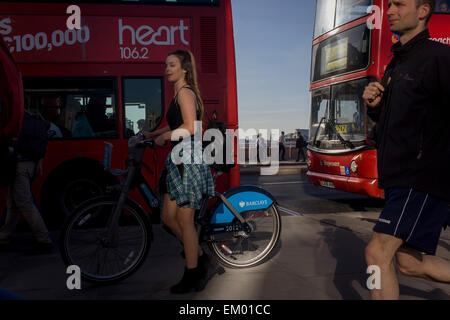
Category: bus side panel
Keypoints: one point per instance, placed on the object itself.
(232, 89)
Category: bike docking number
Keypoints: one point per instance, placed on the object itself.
(220, 228)
(227, 310)
(233, 228)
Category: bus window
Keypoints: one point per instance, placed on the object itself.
(345, 52)
(324, 17)
(349, 10)
(331, 14)
(74, 108)
(143, 100)
(320, 112)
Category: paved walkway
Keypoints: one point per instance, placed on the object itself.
(318, 257)
(284, 167)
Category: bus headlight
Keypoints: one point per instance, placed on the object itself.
(354, 166)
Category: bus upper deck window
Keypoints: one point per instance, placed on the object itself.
(349, 10)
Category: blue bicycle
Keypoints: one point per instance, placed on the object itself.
(109, 237)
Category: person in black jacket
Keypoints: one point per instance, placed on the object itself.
(411, 106)
(300, 144)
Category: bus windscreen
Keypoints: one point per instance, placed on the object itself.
(338, 113)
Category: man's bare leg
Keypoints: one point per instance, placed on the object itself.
(380, 252)
(413, 263)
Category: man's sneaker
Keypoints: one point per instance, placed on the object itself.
(41, 248)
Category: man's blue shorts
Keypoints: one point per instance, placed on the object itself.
(415, 217)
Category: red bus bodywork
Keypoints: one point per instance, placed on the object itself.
(11, 93)
(333, 169)
(150, 32)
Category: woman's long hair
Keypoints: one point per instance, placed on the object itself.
(188, 63)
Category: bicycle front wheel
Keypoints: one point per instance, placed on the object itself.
(84, 241)
(242, 250)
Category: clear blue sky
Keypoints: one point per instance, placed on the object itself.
(273, 42)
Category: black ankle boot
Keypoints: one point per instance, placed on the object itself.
(192, 280)
(203, 263)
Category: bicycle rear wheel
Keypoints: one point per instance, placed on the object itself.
(241, 250)
(83, 241)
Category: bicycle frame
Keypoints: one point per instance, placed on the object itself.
(205, 214)
(234, 227)
(136, 149)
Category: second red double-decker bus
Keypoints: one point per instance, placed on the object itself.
(351, 48)
(106, 80)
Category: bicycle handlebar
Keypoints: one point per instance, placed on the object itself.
(147, 143)
(136, 142)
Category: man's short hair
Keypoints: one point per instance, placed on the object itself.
(432, 4)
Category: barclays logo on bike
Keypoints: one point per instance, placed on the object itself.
(243, 204)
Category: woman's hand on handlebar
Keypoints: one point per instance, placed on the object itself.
(161, 138)
(160, 141)
(148, 135)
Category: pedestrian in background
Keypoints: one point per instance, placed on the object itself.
(282, 146)
(300, 144)
(261, 146)
(29, 152)
(411, 108)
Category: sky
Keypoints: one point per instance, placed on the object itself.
(273, 41)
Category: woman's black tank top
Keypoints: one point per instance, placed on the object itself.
(174, 116)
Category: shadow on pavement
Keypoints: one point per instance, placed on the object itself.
(435, 294)
(444, 244)
(363, 204)
(351, 264)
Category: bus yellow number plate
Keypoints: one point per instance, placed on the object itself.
(342, 129)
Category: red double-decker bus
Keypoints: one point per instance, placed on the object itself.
(105, 81)
(351, 47)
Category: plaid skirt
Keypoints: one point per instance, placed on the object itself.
(189, 182)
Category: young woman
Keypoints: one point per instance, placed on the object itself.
(184, 185)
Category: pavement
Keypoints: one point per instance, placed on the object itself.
(284, 167)
(318, 257)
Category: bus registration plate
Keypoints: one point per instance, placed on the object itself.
(327, 184)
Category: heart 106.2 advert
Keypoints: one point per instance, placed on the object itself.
(100, 39)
